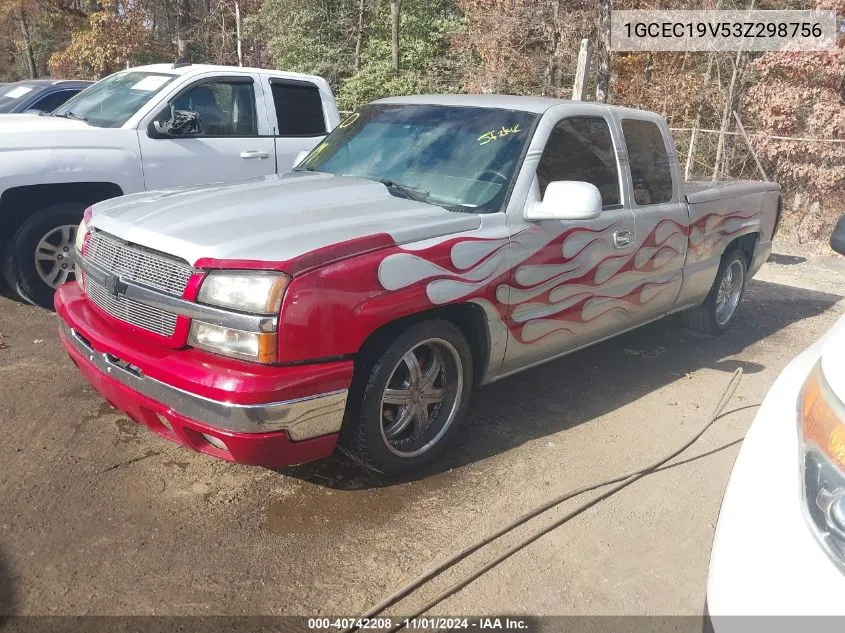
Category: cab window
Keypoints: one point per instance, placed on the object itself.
(581, 148)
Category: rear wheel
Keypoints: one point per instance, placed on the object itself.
(715, 315)
(39, 258)
(408, 397)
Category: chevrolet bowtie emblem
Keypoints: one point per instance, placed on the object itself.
(114, 286)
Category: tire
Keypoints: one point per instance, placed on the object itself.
(713, 316)
(387, 436)
(42, 251)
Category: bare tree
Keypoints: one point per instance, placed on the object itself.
(183, 19)
(394, 32)
(27, 44)
(359, 36)
(603, 77)
(238, 32)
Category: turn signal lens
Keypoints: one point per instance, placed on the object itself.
(822, 426)
(822, 420)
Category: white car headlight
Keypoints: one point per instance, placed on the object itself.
(244, 290)
(822, 426)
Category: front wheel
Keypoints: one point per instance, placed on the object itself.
(408, 398)
(39, 258)
(715, 315)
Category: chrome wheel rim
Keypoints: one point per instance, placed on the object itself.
(730, 289)
(54, 255)
(421, 397)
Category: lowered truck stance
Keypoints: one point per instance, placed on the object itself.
(427, 245)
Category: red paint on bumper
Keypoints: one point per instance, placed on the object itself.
(273, 450)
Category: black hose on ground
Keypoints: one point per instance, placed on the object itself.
(622, 481)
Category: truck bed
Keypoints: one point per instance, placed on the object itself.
(697, 191)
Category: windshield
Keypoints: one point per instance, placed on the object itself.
(462, 158)
(13, 94)
(112, 101)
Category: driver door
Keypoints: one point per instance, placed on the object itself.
(233, 143)
(571, 281)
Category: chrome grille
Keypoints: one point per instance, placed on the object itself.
(132, 263)
(136, 264)
(138, 314)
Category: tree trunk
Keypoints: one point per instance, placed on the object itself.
(552, 66)
(27, 45)
(359, 35)
(699, 110)
(238, 32)
(603, 77)
(183, 18)
(394, 32)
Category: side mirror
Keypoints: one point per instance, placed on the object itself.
(567, 200)
(299, 157)
(837, 239)
(181, 123)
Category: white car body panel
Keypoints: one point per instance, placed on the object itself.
(765, 560)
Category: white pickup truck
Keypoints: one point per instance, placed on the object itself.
(145, 128)
(427, 245)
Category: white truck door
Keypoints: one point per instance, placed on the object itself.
(233, 142)
(299, 117)
(574, 282)
(661, 217)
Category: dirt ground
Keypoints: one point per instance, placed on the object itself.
(100, 516)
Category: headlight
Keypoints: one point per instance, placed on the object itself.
(822, 424)
(245, 291)
(256, 292)
(79, 242)
(254, 346)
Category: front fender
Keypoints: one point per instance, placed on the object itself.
(73, 161)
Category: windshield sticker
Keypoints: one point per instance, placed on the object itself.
(350, 120)
(148, 84)
(20, 91)
(314, 153)
(492, 135)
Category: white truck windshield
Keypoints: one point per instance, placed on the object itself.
(112, 101)
(462, 158)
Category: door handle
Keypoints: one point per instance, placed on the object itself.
(253, 153)
(623, 238)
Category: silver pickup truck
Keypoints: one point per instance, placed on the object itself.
(427, 245)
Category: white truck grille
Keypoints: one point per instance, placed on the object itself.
(132, 263)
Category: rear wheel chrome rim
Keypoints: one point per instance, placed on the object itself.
(54, 255)
(421, 397)
(730, 289)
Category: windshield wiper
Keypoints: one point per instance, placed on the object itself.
(412, 193)
(70, 115)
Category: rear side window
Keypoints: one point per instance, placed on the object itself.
(581, 148)
(53, 100)
(299, 109)
(650, 173)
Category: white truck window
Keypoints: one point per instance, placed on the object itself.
(651, 175)
(225, 108)
(581, 148)
(299, 108)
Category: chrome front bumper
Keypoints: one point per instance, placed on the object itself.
(301, 419)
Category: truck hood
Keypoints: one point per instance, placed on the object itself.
(274, 219)
(29, 123)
